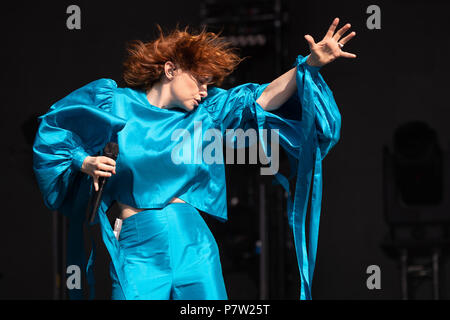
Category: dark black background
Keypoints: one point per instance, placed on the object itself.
(400, 74)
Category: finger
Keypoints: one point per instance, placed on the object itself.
(347, 55)
(310, 40)
(107, 160)
(99, 173)
(105, 167)
(347, 37)
(95, 183)
(333, 26)
(341, 31)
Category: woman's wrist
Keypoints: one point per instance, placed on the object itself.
(312, 62)
(304, 61)
(79, 156)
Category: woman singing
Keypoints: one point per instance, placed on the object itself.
(161, 120)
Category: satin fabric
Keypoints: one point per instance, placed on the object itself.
(170, 253)
(147, 177)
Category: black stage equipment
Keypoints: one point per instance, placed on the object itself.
(416, 202)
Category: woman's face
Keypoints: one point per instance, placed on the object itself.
(187, 91)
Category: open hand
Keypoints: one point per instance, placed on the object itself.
(330, 48)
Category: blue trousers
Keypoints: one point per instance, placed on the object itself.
(169, 253)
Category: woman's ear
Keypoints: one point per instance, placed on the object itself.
(169, 70)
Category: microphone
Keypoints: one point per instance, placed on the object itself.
(110, 150)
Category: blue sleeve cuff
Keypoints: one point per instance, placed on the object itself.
(78, 156)
(302, 61)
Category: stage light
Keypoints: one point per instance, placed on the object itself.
(416, 205)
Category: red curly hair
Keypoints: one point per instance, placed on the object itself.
(204, 54)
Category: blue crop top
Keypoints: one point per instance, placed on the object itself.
(162, 154)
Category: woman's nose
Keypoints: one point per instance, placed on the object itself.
(204, 91)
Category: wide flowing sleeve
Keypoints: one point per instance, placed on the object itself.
(76, 126)
(307, 126)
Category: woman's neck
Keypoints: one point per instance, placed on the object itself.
(159, 95)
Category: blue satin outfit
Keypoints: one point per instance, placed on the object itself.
(150, 174)
(170, 253)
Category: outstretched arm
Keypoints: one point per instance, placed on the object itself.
(322, 53)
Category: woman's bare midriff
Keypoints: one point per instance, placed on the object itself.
(127, 211)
